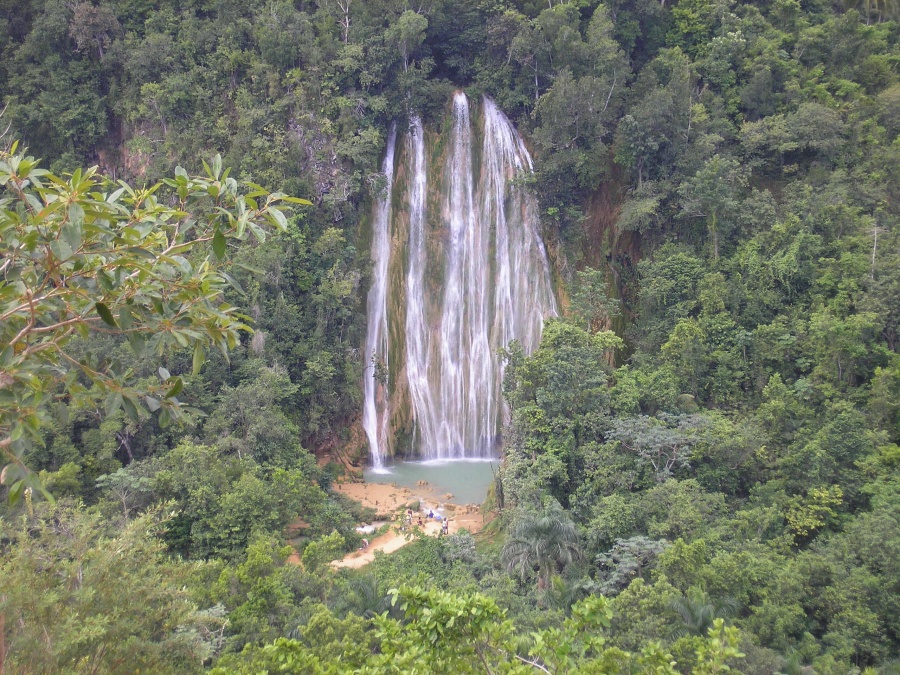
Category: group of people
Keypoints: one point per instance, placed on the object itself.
(444, 521)
(407, 522)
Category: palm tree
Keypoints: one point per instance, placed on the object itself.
(368, 598)
(793, 665)
(697, 611)
(546, 540)
(563, 593)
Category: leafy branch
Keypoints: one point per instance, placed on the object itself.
(83, 256)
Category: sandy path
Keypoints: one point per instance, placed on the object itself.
(387, 499)
(386, 543)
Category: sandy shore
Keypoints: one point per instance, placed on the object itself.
(384, 498)
(387, 500)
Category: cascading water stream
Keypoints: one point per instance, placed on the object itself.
(418, 334)
(476, 277)
(523, 293)
(375, 398)
(465, 406)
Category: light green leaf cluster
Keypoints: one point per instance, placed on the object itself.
(444, 633)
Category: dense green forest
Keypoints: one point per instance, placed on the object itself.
(702, 469)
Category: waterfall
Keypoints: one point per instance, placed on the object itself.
(523, 294)
(418, 335)
(375, 399)
(476, 277)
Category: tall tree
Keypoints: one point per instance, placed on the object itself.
(546, 540)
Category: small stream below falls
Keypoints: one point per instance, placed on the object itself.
(467, 480)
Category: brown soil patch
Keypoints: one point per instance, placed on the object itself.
(384, 498)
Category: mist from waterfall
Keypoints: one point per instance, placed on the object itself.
(476, 277)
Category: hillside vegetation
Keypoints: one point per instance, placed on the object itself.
(709, 438)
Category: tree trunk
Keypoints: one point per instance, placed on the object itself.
(714, 231)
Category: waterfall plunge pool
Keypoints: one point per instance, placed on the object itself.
(467, 480)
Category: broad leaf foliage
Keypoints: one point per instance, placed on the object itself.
(83, 255)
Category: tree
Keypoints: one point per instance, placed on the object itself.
(445, 633)
(407, 34)
(546, 540)
(590, 303)
(663, 442)
(368, 598)
(627, 560)
(320, 552)
(697, 612)
(713, 193)
(79, 598)
(127, 487)
(261, 592)
(659, 120)
(342, 11)
(577, 114)
(93, 27)
(843, 345)
(83, 256)
(693, 25)
(248, 421)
